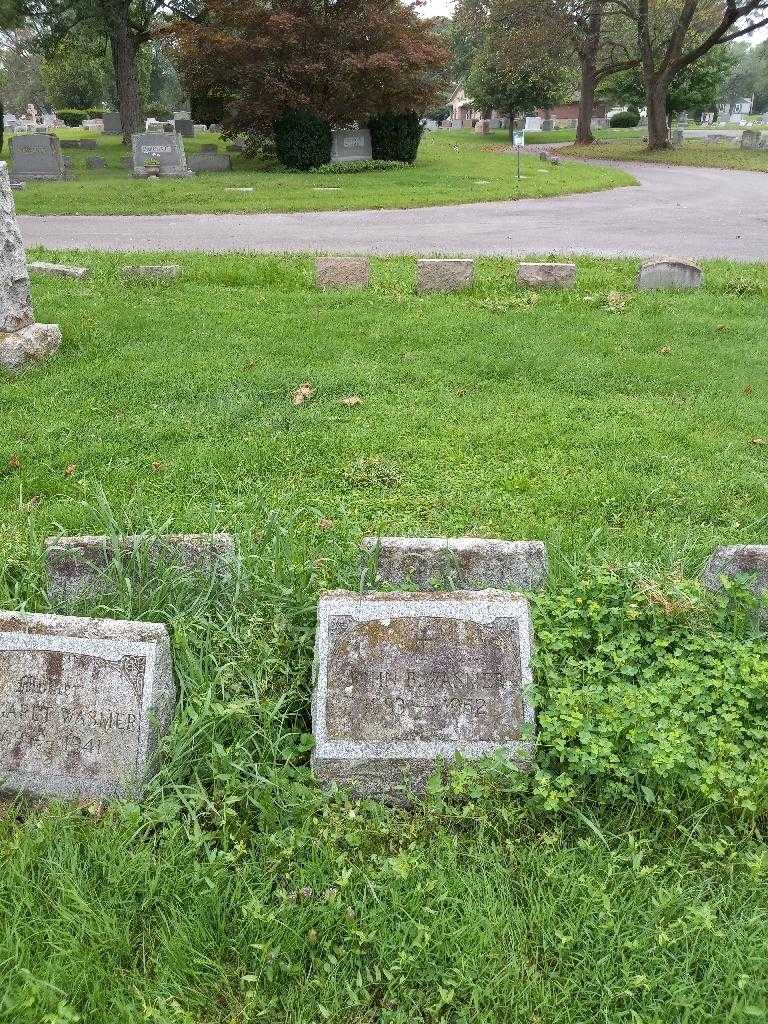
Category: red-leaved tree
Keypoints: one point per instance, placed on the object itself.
(341, 60)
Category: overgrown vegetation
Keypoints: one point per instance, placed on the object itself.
(691, 153)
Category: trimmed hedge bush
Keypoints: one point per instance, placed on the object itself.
(73, 117)
(207, 110)
(158, 111)
(395, 137)
(302, 140)
(626, 119)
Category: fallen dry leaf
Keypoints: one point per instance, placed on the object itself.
(665, 350)
(760, 440)
(747, 390)
(461, 392)
(351, 400)
(158, 467)
(13, 462)
(70, 470)
(722, 327)
(302, 394)
(325, 524)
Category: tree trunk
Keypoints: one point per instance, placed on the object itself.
(129, 97)
(584, 136)
(656, 100)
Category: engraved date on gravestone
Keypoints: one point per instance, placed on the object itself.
(69, 713)
(431, 679)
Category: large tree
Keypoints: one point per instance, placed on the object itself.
(341, 62)
(673, 34)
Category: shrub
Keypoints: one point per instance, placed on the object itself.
(358, 166)
(302, 140)
(157, 110)
(1, 126)
(92, 112)
(395, 137)
(71, 117)
(626, 119)
(207, 110)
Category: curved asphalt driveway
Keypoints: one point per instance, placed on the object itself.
(681, 211)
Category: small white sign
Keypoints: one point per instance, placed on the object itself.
(518, 138)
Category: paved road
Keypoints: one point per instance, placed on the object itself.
(681, 211)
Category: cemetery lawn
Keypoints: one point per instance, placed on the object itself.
(691, 154)
(452, 167)
(629, 431)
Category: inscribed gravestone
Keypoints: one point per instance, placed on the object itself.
(112, 124)
(82, 704)
(404, 679)
(184, 127)
(349, 144)
(37, 158)
(160, 154)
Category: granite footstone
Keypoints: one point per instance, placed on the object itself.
(546, 275)
(342, 272)
(464, 563)
(669, 273)
(58, 269)
(78, 566)
(444, 275)
(161, 272)
(82, 706)
(403, 681)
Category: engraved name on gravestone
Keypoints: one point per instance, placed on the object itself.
(159, 154)
(349, 144)
(37, 158)
(83, 703)
(404, 679)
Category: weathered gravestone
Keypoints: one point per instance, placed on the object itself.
(546, 275)
(160, 154)
(83, 703)
(404, 679)
(467, 563)
(95, 163)
(185, 127)
(80, 565)
(751, 139)
(37, 158)
(112, 124)
(342, 272)
(351, 144)
(58, 269)
(669, 273)
(208, 161)
(444, 275)
(21, 339)
(748, 560)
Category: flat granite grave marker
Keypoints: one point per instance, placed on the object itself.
(546, 275)
(160, 154)
(207, 161)
(82, 705)
(342, 272)
(467, 563)
(404, 679)
(79, 565)
(37, 158)
(739, 560)
(349, 144)
(444, 275)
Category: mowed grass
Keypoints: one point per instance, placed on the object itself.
(612, 424)
(691, 153)
(452, 167)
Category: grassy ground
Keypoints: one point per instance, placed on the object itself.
(691, 154)
(453, 167)
(620, 428)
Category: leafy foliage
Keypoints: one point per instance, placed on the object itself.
(302, 141)
(395, 136)
(75, 117)
(626, 119)
(340, 62)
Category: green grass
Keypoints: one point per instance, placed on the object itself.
(452, 167)
(619, 427)
(691, 154)
(608, 425)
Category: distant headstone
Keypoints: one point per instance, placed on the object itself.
(404, 679)
(546, 275)
(464, 563)
(200, 129)
(91, 144)
(457, 124)
(112, 124)
(69, 143)
(162, 272)
(95, 163)
(748, 560)
(482, 127)
(669, 274)
(82, 705)
(162, 155)
(444, 275)
(37, 158)
(184, 127)
(342, 272)
(351, 144)
(547, 124)
(205, 161)
(533, 124)
(93, 124)
(678, 136)
(58, 270)
(751, 139)
(79, 565)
